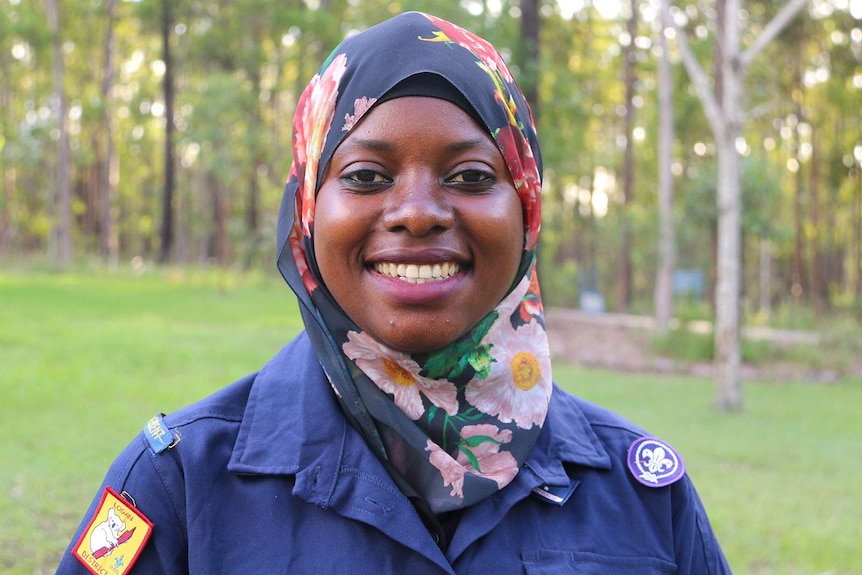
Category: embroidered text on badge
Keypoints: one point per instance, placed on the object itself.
(114, 537)
(158, 434)
(654, 463)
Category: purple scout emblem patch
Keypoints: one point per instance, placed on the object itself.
(654, 463)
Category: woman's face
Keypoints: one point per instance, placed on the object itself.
(418, 230)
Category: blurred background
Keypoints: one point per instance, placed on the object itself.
(143, 149)
(160, 132)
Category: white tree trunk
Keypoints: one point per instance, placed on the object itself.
(667, 235)
(109, 178)
(63, 224)
(728, 385)
(726, 119)
(765, 277)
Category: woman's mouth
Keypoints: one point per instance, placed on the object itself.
(417, 273)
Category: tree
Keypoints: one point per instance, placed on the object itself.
(726, 117)
(624, 280)
(108, 176)
(667, 236)
(167, 225)
(530, 42)
(63, 223)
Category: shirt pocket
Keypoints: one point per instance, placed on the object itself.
(554, 562)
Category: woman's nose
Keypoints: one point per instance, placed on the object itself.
(418, 205)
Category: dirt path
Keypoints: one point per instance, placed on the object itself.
(621, 342)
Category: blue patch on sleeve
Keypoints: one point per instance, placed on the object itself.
(158, 434)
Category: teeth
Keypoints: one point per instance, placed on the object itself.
(417, 273)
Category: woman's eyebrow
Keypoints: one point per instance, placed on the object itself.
(380, 145)
(470, 144)
(384, 146)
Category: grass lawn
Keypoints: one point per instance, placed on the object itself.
(87, 358)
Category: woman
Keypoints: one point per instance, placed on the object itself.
(413, 427)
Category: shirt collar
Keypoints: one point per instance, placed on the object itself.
(292, 421)
(567, 437)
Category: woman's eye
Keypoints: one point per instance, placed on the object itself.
(472, 177)
(365, 177)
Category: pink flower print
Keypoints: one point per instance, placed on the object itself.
(500, 466)
(398, 375)
(485, 460)
(518, 386)
(511, 302)
(360, 106)
(298, 251)
(314, 113)
(531, 305)
(525, 175)
(451, 470)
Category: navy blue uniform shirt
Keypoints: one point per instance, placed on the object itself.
(266, 476)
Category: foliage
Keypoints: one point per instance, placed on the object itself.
(686, 345)
(239, 67)
(88, 357)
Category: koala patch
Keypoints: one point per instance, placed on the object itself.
(114, 537)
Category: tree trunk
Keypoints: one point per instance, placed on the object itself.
(720, 23)
(219, 243)
(857, 240)
(167, 225)
(109, 177)
(62, 243)
(817, 290)
(530, 40)
(800, 286)
(728, 396)
(667, 234)
(256, 124)
(765, 277)
(725, 117)
(7, 180)
(798, 280)
(624, 274)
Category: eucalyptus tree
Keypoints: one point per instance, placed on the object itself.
(24, 128)
(726, 116)
(109, 169)
(663, 294)
(62, 236)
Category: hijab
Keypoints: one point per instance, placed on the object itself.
(452, 426)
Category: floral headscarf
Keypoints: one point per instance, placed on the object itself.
(452, 426)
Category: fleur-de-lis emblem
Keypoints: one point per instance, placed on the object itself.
(656, 461)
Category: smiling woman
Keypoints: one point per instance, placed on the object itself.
(414, 426)
(429, 192)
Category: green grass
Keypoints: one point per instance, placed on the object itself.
(779, 481)
(87, 358)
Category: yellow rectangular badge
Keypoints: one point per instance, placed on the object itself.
(114, 537)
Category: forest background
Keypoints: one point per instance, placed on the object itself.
(134, 134)
(159, 131)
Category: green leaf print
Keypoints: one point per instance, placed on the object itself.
(477, 440)
(451, 361)
(474, 463)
